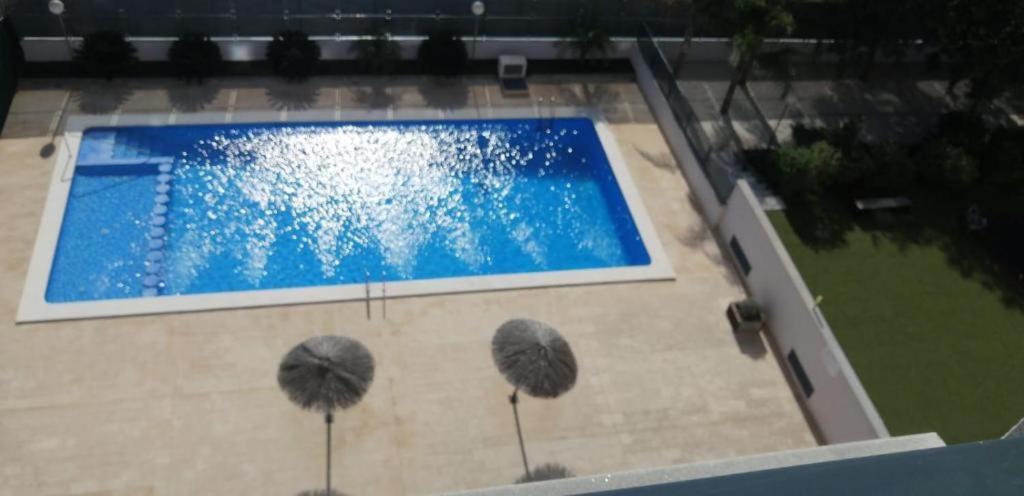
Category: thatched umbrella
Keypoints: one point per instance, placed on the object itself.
(326, 373)
(535, 358)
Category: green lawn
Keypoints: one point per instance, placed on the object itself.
(937, 350)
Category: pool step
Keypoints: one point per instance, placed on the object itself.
(127, 146)
(97, 145)
(112, 147)
(153, 281)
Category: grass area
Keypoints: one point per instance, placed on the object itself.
(935, 337)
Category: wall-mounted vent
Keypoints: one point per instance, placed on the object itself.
(801, 375)
(741, 257)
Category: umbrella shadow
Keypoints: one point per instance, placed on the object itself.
(192, 97)
(292, 96)
(444, 94)
(545, 472)
(320, 492)
(374, 96)
(99, 99)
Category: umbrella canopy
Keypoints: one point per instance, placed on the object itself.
(534, 357)
(324, 373)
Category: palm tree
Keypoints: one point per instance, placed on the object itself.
(696, 10)
(755, 20)
(377, 53)
(589, 36)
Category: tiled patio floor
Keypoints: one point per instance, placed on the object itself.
(188, 404)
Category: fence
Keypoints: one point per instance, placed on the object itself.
(519, 18)
(814, 19)
(10, 66)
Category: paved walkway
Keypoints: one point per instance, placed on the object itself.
(900, 102)
(187, 404)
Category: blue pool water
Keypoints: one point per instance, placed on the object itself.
(199, 209)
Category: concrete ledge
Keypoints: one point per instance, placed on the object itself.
(639, 478)
(249, 49)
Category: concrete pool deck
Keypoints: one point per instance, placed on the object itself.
(188, 403)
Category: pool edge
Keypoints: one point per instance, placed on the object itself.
(33, 306)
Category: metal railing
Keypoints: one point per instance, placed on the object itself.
(519, 18)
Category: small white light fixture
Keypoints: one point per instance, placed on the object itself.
(478, 11)
(478, 8)
(56, 7)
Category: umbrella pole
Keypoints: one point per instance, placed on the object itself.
(328, 419)
(514, 399)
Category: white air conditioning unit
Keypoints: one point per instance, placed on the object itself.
(512, 75)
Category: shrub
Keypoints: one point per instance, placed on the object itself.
(804, 135)
(749, 310)
(951, 165)
(959, 169)
(293, 55)
(195, 57)
(805, 171)
(858, 167)
(105, 53)
(893, 173)
(443, 54)
(379, 53)
(963, 129)
(1003, 163)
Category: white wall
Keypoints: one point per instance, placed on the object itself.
(251, 49)
(840, 406)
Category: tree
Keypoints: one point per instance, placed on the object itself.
(293, 55)
(443, 53)
(696, 11)
(984, 42)
(754, 20)
(195, 57)
(865, 29)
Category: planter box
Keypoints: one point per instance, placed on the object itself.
(738, 323)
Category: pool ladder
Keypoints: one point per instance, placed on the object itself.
(383, 296)
(546, 123)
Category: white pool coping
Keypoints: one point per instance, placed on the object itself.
(35, 308)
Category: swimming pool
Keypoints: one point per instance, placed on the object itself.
(164, 212)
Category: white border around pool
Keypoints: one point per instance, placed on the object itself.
(35, 308)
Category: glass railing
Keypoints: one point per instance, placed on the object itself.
(10, 59)
(716, 157)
